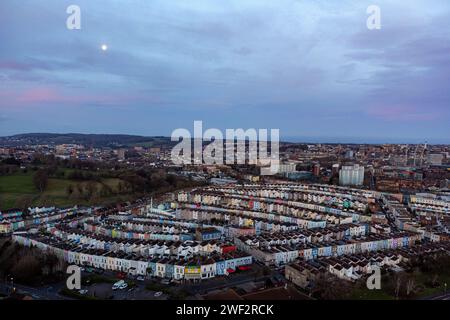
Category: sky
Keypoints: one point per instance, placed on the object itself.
(309, 68)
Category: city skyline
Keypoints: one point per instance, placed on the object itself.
(312, 69)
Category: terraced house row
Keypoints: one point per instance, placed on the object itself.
(122, 233)
(301, 193)
(279, 250)
(419, 216)
(148, 226)
(238, 222)
(145, 248)
(280, 205)
(433, 212)
(14, 219)
(195, 268)
(305, 215)
(352, 267)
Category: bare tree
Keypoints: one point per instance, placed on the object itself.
(69, 190)
(24, 202)
(90, 189)
(40, 180)
(410, 285)
(330, 287)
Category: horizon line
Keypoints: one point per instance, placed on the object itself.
(285, 139)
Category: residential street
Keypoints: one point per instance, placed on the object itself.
(45, 293)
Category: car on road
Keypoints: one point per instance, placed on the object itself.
(121, 275)
(119, 285)
(123, 286)
(165, 281)
(158, 294)
(140, 278)
(82, 291)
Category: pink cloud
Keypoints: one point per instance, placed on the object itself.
(37, 95)
(12, 65)
(50, 96)
(40, 95)
(401, 113)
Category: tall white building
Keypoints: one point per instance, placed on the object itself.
(287, 167)
(351, 175)
(435, 158)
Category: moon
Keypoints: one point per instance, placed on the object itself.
(104, 47)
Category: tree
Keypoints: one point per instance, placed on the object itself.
(24, 202)
(434, 280)
(40, 179)
(410, 286)
(45, 201)
(50, 263)
(69, 190)
(90, 189)
(402, 285)
(330, 287)
(27, 268)
(12, 161)
(79, 189)
(104, 191)
(398, 284)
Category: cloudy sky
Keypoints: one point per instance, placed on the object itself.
(310, 68)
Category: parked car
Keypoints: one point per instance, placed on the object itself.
(140, 278)
(82, 291)
(121, 275)
(158, 294)
(119, 285)
(123, 286)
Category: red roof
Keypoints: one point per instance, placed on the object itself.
(226, 249)
(243, 268)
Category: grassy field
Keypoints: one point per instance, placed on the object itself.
(366, 294)
(17, 183)
(14, 188)
(420, 281)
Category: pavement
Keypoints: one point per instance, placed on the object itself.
(440, 296)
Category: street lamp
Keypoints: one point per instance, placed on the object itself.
(12, 285)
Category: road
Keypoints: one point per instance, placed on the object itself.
(230, 281)
(104, 291)
(441, 296)
(44, 293)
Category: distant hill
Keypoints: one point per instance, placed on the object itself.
(94, 140)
